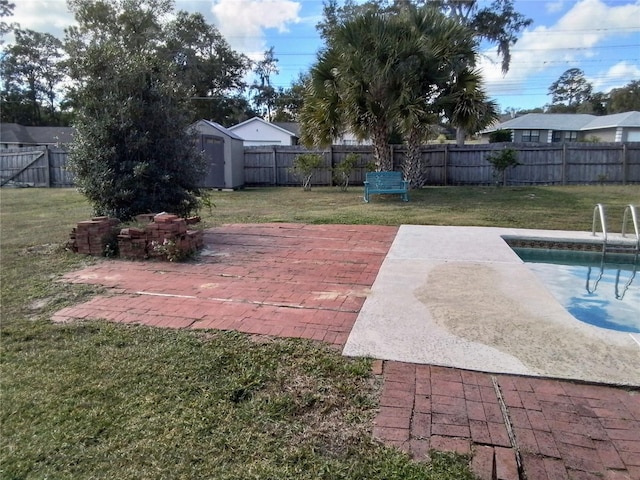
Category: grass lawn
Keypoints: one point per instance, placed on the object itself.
(98, 400)
(553, 208)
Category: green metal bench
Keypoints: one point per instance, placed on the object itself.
(386, 182)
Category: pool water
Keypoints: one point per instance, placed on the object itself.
(601, 293)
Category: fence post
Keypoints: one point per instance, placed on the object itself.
(47, 162)
(331, 164)
(393, 163)
(564, 163)
(446, 164)
(275, 166)
(624, 164)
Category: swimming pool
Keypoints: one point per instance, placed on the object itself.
(601, 293)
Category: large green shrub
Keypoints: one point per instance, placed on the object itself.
(132, 152)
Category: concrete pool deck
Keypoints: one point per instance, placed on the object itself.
(460, 297)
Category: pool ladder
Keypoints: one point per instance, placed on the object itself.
(599, 213)
(630, 211)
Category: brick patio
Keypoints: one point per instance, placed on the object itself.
(546, 429)
(289, 280)
(310, 281)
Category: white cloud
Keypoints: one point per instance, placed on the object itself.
(243, 22)
(554, 7)
(50, 16)
(617, 76)
(586, 25)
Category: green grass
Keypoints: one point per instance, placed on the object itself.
(98, 400)
(554, 208)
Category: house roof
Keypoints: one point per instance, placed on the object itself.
(220, 128)
(568, 121)
(625, 119)
(25, 135)
(547, 121)
(272, 125)
(293, 127)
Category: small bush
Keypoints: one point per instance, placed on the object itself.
(502, 160)
(304, 166)
(500, 136)
(343, 171)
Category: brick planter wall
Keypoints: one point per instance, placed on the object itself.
(163, 229)
(91, 237)
(165, 236)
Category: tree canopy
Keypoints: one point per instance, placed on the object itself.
(207, 65)
(571, 89)
(265, 95)
(625, 98)
(382, 72)
(132, 152)
(31, 74)
(573, 93)
(34, 77)
(498, 23)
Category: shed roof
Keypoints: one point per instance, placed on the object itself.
(28, 135)
(220, 128)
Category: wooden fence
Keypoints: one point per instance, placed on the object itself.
(444, 164)
(34, 167)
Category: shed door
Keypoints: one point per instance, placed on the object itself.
(214, 153)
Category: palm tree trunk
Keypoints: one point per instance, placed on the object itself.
(412, 166)
(460, 136)
(381, 152)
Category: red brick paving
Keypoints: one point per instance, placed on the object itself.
(290, 280)
(310, 281)
(560, 429)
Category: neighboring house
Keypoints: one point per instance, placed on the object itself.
(13, 135)
(348, 138)
(257, 132)
(571, 127)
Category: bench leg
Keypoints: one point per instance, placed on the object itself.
(366, 196)
(405, 197)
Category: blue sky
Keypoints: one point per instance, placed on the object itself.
(601, 37)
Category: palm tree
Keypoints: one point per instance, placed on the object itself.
(381, 72)
(467, 106)
(356, 83)
(444, 44)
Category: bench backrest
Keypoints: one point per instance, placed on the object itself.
(384, 179)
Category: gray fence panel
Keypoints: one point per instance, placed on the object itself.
(24, 167)
(597, 164)
(632, 162)
(445, 164)
(541, 164)
(59, 175)
(259, 166)
(469, 166)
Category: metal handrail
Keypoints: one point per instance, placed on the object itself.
(599, 209)
(631, 209)
(620, 296)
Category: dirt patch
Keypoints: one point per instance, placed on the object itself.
(46, 249)
(467, 300)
